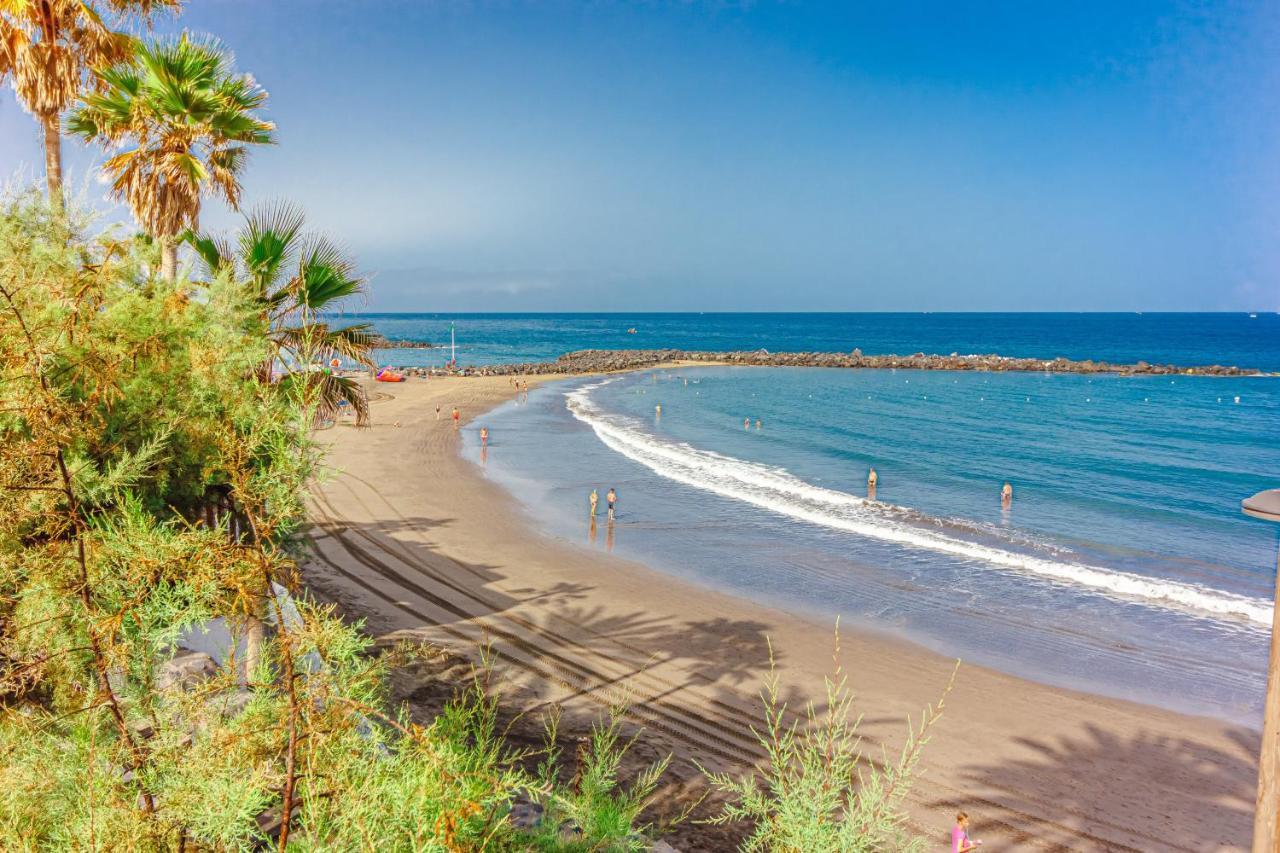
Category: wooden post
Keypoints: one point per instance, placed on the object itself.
(1266, 818)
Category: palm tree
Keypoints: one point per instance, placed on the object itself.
(47, 47)
(184, 119)
(297, 277)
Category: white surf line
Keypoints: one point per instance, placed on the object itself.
(777, 490)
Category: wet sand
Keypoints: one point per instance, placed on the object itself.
(413, 539)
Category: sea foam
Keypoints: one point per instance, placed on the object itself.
(777, 490)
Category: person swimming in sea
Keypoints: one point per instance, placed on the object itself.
(611, 498)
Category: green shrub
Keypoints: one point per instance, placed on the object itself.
(595, 811)
(817, 792)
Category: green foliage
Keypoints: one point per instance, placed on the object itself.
(179, 119)
(596, 804)
(297, 277)
(817, 792)
(151, 482)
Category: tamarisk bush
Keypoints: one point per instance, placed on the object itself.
(151, 485)
(816, 791)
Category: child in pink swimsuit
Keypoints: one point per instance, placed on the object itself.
(960, 842)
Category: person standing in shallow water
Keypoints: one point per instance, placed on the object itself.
(1006, 496)
(484, 436)
(594, 500)
(611, 499)
(871, 484)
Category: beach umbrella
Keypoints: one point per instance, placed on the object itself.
(1266, 820)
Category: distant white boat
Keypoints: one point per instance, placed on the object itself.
(1253, 316)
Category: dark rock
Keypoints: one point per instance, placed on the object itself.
(570, 831)
(185, 671)
(386, 343)
(525, 815)
(607, 361)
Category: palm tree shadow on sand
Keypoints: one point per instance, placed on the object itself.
(1157, 792)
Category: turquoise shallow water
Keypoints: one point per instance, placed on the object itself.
(1123, 566)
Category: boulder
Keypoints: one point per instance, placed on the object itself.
(570, 832)
(185, 671)
(525, 815)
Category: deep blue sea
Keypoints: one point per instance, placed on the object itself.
(1123, 565)
(1190, 339)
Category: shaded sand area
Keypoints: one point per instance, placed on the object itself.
(413, 539)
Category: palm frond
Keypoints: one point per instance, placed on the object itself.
(169, 107)
(214, 253)
(318, 341)
(326, 274)
(323, 393)
(270, 241)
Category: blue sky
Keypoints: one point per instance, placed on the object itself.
(797, 156)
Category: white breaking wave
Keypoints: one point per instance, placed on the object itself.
(777, 490)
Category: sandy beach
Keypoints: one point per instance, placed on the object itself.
(413, 539)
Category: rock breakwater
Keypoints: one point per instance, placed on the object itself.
(608, 361)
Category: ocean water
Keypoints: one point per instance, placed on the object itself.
(1123, 567)
(1189, 339)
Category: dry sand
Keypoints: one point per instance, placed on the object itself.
(413, 539)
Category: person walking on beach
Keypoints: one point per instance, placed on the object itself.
(611, 499)
(594, 500)
(1006, 496)
(960, 842)
(456, 416)
(437, 411)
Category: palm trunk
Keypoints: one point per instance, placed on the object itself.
(168, 258)
(53, 159)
